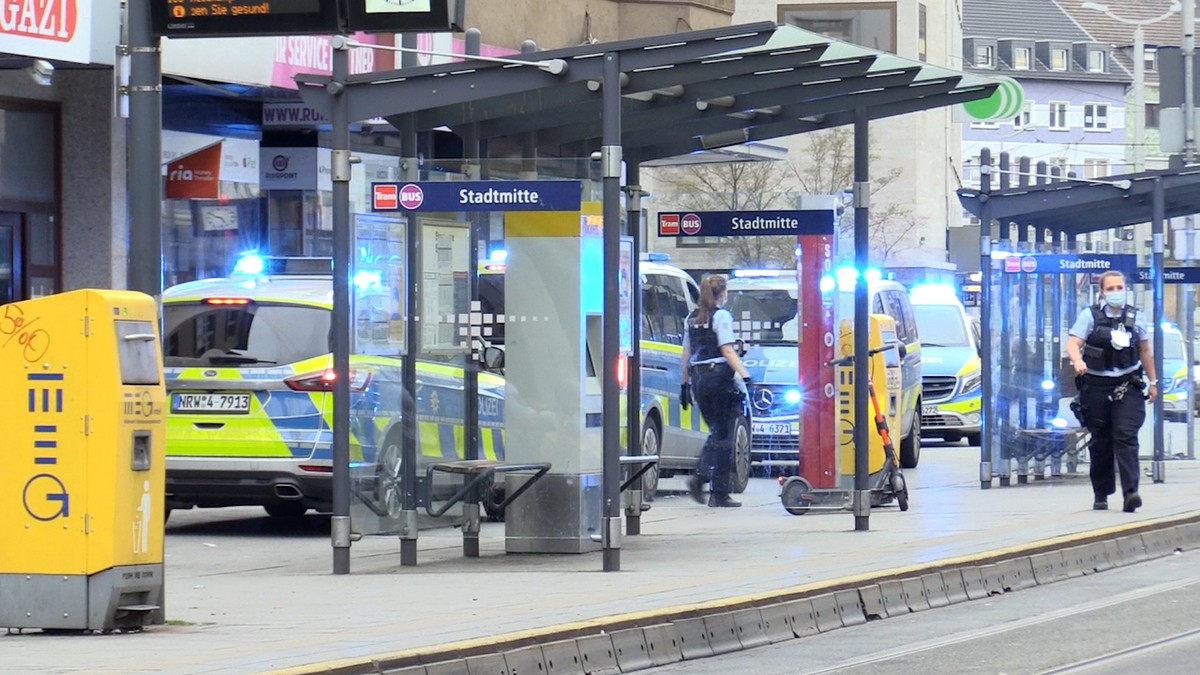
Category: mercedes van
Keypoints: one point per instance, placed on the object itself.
(951, 371)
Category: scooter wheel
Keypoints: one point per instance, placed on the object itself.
(902, 500)
(900, 489)
(794, 495)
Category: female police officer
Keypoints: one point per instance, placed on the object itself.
(719, 379)
(1109, 347)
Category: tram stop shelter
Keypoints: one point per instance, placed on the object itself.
(625, 102)
(1036, 279)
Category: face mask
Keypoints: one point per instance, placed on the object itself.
(1115, 298)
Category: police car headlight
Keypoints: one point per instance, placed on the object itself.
(971, 382)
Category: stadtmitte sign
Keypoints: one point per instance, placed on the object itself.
(63, 30)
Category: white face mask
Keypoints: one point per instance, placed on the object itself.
(1115, 298)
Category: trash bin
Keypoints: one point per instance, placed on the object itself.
(81, 522)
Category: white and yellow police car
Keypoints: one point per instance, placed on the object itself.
(249, 375)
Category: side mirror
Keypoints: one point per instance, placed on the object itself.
(902, 350)
(493, 358)
(739, 345)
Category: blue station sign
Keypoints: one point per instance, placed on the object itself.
(483, 195)
(1084, 263)
(745, 223)
(1171, 275)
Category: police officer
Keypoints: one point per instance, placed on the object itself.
(1109, 348)
(712, 369)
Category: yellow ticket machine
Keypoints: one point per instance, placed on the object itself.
(82, 493)
(885, 376)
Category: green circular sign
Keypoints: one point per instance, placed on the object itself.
(1004, 103)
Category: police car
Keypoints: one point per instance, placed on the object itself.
(1173, 382)
(249, 377)
(951, 371)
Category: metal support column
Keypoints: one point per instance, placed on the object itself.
(610, 158)
(412, 348)
(343, 244)
(987, 419)
(1158, 468)
(633, 394)
(144, 154)
(1002, 457)
(862, 366)
(474, 355)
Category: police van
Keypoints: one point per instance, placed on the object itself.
(249, 377)
(951, 371)
(768, 300)
(676, 435)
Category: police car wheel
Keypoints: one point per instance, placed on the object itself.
(741, 455)
(651, 445)
(389, 473)
(910, 448)
(285, 509)
(974, 439)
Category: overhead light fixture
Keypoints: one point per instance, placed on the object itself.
(41, 71)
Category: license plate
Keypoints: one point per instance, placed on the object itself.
(210, 403)
(929, 410)
(775, 428)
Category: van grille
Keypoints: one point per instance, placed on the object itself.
(937, 388)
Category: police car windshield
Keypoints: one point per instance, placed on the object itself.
(941, 326)
(252, 335)
(763, 315)
(1172, 345)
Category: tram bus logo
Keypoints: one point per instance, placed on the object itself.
(385, 197)
(690, 223)
(668, 224)
(1012, 264)
(1029, 264)
(412, 196)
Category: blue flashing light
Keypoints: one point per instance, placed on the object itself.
(747, 274)
(368, 279)
(657, 257)
(872, 275)
(827, 283)
(251, 264)
(1058, 423)
(933, 292)
(1167, 325)
(1047, 385)
(792, 396)
(846, 277)
(499, 255)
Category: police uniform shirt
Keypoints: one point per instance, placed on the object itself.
(1083, 328)
(722, 324)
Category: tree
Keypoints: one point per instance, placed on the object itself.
(736, 186)
(827, 167)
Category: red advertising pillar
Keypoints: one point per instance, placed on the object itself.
(816, 339)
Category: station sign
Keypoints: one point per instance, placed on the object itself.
(746, 223)
(1171, 275)
(485, 195)
(1085, 263)
(246, 18)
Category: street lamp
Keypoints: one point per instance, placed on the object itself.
(1139, 74)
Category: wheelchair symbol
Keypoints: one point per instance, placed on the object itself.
(47, 500)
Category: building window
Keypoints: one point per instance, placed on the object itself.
(1095, 116)
(1095, 168)
(1058, 116)
(1024, 119)
(985, 56)
(1151, 121)
(1150, 59)
(1058, 59)
(1096, 62)
(1059, 164)
(1021, 58)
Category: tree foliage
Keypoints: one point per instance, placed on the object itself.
(823, 166)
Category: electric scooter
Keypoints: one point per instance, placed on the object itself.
(799, 496)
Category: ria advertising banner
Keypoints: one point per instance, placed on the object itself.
(745, 223)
